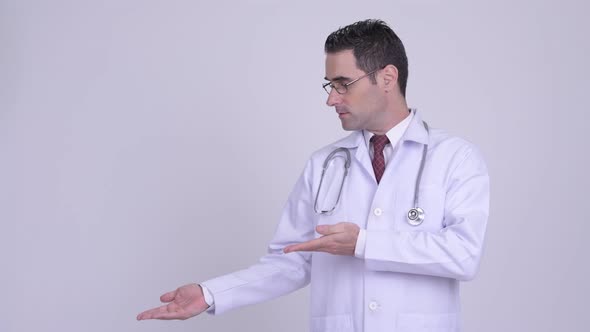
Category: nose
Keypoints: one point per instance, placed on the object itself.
(334, 98)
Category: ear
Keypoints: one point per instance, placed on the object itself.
(389, 77)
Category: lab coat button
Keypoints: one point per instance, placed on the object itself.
(373, 305)
(378, 211)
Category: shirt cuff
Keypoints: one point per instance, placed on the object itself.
(361, 241)
(208, 297)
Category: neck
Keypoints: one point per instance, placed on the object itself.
(396, 113)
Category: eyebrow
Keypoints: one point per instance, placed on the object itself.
(338, 79)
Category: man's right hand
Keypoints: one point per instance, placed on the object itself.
(183, 303)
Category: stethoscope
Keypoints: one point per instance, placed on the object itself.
(415, 215)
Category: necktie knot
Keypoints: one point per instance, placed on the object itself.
(379, 142)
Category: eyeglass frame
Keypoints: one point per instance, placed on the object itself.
(346, 85)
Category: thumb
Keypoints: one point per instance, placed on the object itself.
(168, 297)
(324, 229)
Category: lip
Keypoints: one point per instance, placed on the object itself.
(343, 114)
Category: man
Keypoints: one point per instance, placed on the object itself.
(374, 262)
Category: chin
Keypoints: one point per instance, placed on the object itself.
(348, 128)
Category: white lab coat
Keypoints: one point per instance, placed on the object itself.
(409, 277)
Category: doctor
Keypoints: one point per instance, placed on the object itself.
(370, 268)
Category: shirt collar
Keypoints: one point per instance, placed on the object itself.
(414, 131)
(394, 134)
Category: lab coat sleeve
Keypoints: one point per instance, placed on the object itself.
(455, 250)
(276, 273)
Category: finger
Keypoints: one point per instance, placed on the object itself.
(324, 229)
(336, 228)
(148, 314)
(168, 297)
(168, 311)
(312, 245)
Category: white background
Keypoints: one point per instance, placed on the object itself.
(149, 144)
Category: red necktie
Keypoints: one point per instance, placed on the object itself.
(379, 142)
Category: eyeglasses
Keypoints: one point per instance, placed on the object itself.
(343, 88)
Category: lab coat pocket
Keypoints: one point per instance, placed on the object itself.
(427, 323)
(335, 323)
(432, 200)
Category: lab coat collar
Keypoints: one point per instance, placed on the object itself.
(415, 133)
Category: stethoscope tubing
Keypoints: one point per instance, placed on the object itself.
(415, 215)
(324, 168)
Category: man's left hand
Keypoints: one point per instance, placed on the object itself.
(337, 239)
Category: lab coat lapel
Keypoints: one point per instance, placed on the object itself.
(416, 131)
(407, 154)
(362, 155)
(357, 140)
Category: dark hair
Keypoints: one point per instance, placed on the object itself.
(374, 45)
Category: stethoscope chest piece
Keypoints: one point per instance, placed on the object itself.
(415, 216)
